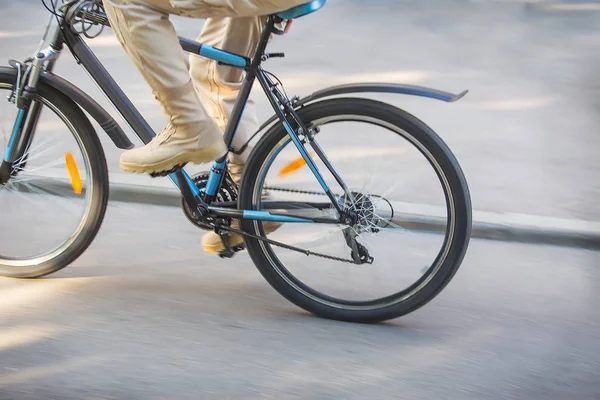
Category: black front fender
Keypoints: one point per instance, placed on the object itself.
(79, 97)
(104, 119)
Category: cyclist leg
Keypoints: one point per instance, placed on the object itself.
(148, 37)
(219, 86)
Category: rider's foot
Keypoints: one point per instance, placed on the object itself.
(212, 243)
(195, 143)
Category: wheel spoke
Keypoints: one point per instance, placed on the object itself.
(399, 249)
(27, 156)
(50, 217)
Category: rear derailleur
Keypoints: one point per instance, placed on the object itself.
(359, 253)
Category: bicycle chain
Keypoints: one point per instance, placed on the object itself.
(287, 246)
(294, 191)
(307, 252)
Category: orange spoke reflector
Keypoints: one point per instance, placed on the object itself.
(294, 165)
(74, 173)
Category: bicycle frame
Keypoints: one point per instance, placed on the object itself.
(190, 192)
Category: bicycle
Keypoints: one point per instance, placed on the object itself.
(211, 201)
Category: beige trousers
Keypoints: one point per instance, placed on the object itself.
(204, 94)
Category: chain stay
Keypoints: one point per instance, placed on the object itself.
(279, 244)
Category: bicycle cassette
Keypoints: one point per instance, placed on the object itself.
(227, 193)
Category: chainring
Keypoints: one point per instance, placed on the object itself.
(227, 193)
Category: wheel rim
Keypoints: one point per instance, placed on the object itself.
(51, 177)
(335, 301)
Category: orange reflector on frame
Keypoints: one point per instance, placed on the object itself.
(73, 173)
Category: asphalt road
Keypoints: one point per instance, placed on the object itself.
(145, 314)
(527, 133)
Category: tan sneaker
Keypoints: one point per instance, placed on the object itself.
(212, 243)
(176, 145)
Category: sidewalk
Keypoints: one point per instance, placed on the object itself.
(508, 227)
(564, 5)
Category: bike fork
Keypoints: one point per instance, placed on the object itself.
(27, 116)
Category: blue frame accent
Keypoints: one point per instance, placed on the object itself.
(14, 135)
(225, 57)
(192, 185)
(305, 155)
(267, 216)
(214, 178)
(302, 10)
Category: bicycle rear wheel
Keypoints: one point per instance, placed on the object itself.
(410, 195)
(55, 201)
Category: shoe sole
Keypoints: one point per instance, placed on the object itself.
(234, 240)
(238, 240)
(200, 156)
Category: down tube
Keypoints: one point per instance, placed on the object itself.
(117, 97)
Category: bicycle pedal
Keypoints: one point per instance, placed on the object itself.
(230, 253)
(167, 172)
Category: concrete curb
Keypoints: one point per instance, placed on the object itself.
(563, 6)
(509, 227)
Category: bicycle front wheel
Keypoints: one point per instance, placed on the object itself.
(407, 190)
(54, 202)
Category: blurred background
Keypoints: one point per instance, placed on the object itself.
(144, 313)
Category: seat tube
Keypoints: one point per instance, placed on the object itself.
(219, 167)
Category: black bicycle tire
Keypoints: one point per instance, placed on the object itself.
(424, 135)
(99, 183)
